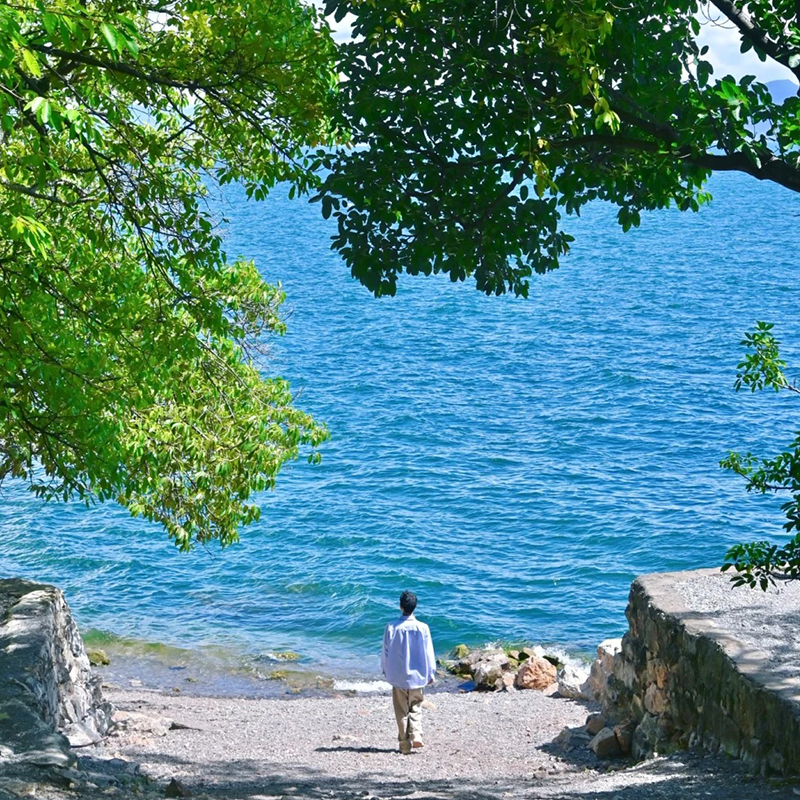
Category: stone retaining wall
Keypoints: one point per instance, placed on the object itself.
(49, 698)
(688, 680)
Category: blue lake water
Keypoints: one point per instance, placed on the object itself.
(516, 462)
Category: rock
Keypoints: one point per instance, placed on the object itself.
(459, 651)
(563, 739)
(176, 789)
(595, 723)
(603, 668)
(81, 735)
(527, 652)
(654, 700)
(135, 722)
(624, 733)
(505, 683)
(98, 658)
(287, 655)
(571, 682)
(605, 744)
(535, 673)
(487, 669)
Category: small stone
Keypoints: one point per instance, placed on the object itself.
(605, 744)
(563, 739)
(98, 658)
(135, 682)
(176, 789)
(535, 673)
(624, 733)
(595, 723)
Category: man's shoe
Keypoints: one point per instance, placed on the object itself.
(417, 743)
(405, 747)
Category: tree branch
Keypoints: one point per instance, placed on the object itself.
(758, 36)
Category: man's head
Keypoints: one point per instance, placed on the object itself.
(408, 602)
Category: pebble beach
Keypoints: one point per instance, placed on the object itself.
(479, 746)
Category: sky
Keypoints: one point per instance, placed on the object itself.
(720, 36)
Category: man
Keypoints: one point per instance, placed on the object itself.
(408, 663)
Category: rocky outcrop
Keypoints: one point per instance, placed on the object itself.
(700, 666)
(504, 670)
(49, 698)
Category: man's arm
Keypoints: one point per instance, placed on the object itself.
(385, 650)
(430, 656)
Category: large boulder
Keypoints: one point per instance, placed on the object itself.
(536, 673)
(49, 698)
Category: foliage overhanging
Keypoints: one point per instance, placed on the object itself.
(129, 343)
(480, 124)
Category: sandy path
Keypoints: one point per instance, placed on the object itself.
(479, 747)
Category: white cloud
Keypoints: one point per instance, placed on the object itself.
(723, 52)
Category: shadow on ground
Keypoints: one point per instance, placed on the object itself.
(686, 776)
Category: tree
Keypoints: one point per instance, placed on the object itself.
(758, 563)
(480, 124)
(130, 345)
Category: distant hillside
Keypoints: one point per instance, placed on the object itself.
(780, 90)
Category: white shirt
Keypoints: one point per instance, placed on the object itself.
(407, 659)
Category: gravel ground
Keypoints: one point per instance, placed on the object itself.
(764, 623)
(478, 747)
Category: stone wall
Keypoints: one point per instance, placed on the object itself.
(708, 676)
(49, 698)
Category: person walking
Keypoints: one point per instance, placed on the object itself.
(409, 665)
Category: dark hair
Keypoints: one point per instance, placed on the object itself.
(408, 602)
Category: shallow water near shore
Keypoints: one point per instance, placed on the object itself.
(515, 462)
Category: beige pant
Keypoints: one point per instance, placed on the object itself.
(408, 711)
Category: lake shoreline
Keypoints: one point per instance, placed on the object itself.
(226, 674)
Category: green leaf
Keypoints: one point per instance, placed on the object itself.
(110, 34)
(31, 62)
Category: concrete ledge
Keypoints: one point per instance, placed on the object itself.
(705, 664)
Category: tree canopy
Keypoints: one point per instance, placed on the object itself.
(130, 345)
(479, 125)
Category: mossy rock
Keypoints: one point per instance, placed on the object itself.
(287, 655)
(278, 675)
(555, 661)
(459, 651)
(98, 658)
